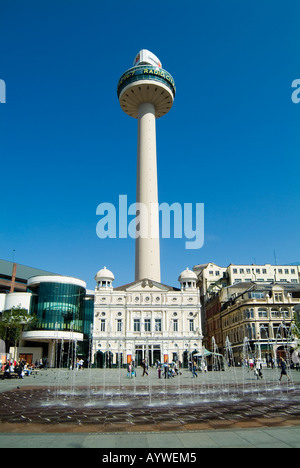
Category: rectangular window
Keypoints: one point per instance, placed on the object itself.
(256, 295)
(158, 325)
(119, 325)
(191, 325)
(175, 325)
(136, 325)
(147, 325)
(249, 313)
(262, 313)
(102, 328)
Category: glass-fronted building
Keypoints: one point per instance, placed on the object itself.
(58, 306)
(63, 311)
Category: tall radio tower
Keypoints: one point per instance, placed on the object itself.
(146, 92)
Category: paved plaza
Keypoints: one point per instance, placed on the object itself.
(104, 408)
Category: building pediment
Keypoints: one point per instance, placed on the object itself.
(277, 287)
(146, 285)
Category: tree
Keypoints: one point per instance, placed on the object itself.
(12, 324)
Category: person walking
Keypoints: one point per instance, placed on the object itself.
(7, 371)
(283, 366)
(258, 369)
(166, 370)
(194, 368)
(144, 368)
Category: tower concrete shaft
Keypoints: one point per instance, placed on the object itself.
(147, 252)
(146, 92)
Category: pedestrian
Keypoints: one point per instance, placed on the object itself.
(159, 371)
(144, 368)
(283, 366)
(194, 368)
(7, 371)
(19, 370)
(166, 370)
(258, 369)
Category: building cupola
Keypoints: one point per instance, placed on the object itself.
(104, 278)
(188, 279)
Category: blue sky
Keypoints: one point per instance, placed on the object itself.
(231, 140)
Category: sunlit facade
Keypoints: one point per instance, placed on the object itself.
(146, 320)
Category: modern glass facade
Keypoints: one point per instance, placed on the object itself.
(58, 306)
(88, 315)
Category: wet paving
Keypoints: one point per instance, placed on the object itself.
(124, 407)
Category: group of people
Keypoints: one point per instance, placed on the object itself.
(256, 366)
(168, 370)
(79, 364)
(21, 368)
(194, 366)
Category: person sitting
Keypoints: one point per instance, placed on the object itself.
(27, 370)
(19, 370)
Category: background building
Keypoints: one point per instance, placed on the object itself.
(63, 308)
(260, 313)
(13, 276)
(146, 320)
(212, 279)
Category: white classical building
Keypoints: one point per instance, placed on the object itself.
(146, 320)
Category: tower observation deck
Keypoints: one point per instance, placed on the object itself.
(146, 92)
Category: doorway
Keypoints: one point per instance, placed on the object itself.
(26, 357)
